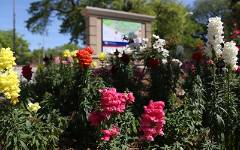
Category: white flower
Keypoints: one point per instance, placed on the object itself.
(165, 53)
(145, 40)
(230, 52)
(127, 50)
(177, 61)
(159, 46)
(215, 36)
(164, 61)
(143, 45)
(155, 36)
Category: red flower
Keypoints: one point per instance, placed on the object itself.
(235, 33)
(198, 55)
(85, 57)
(153, 63)
(125, 58)
(27, 72)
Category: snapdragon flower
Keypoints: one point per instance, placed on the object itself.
(66, 53)
(143, 45)
(7, 60)
(159, 46)
(230, 52)
(152, 120)
(33, 107)
(9, 85)
(215, 37)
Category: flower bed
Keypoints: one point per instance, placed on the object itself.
(166, 104)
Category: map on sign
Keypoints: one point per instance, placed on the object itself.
(114, 31)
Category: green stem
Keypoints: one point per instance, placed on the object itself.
(228, 85)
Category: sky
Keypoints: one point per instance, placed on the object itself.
(53, 39)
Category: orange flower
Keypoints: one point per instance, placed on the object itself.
(85, 57)
(89, 49)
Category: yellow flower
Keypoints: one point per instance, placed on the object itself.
(66, 53)
(7, 60)
(102, 56)
(74, 53)
(94, 64)
(9, 85)
(33, 107)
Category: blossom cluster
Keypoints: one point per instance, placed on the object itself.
(9, 82)
(215, 37)
(67, 53)
(111, 102)
(230, 52)
(152, 120)
(159, 46)
(102, 56)
(143, 45)
(33, 107)
(9, 85)
(27, 72)
(7, 59)
(114, 102)
(84, 57)
(110, 133)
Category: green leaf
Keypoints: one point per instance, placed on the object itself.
(24, 145)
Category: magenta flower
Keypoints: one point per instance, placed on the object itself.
(152, 120)
(95, 118)
(107, 134)
(111, 102)
(114, 102)
(130, 97)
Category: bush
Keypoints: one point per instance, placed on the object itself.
(21, 129)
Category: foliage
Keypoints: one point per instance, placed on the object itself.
(184, 122)
(24, 130)
(22, 47)
(204, 9)
(71, 89)
(67, 11)
(235, 6)
(114, 120)
(174, 23)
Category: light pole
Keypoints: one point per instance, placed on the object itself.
(14, 27)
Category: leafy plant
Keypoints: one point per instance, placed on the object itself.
(23, 130)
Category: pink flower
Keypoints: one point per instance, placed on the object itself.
(113, 102)
(130, 97)
(188, 67)
(210, 62)
(107, 134)
(180, 92)
(70, 59)
(237, 69)
(95, 118)
(152, 120)
(57, 60)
